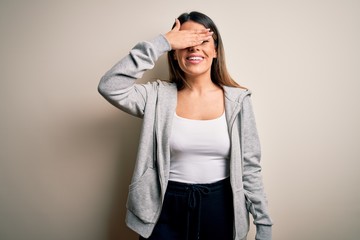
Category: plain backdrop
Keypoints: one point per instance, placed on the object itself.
(66, 155)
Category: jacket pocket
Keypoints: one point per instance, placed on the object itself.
(249, 206)
(144, 199)
(241, 214)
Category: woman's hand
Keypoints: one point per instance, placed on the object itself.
(180, 39)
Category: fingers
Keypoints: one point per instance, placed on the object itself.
(196, 38)
(200, 31)
(177, 25)
(180, 39)
(203, 36)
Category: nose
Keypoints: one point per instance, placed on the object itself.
(194, 48)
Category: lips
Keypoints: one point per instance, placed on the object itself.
(195, 58)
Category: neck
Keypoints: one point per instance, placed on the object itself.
(200, 84)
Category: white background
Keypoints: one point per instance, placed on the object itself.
(66, 155)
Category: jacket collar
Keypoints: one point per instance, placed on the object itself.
(233, 99)
(235, 94)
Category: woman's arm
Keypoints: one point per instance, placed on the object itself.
(252, 178)
(118, 84)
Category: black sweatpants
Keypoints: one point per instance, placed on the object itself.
(196, 211)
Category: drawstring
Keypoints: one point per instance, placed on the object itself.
(195, 193)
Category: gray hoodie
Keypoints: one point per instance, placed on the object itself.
(155, 103)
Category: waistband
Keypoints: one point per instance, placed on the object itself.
(181, 187)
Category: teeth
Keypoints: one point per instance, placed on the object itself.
(195, 58)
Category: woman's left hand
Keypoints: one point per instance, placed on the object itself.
(180, 39)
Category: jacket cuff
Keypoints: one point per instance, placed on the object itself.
(161, 44)
(263, 232)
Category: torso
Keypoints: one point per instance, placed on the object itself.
(206, 106)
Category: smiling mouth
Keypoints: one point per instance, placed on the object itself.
(194, 58)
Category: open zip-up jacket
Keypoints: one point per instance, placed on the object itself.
(155, 102)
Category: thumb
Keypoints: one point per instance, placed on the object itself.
(177, 25)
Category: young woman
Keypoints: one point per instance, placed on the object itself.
(197, 174)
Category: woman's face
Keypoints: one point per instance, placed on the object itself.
(196, 61)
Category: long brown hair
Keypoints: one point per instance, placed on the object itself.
(219, 73)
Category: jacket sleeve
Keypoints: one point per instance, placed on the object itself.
(118, 84)
(252, 178)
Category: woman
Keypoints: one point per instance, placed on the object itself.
(197, 173)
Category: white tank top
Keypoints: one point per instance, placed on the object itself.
(199, 150)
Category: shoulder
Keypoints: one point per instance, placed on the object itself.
(158, 87)
(165, 83)
(161, 84)
(158, 84)
(236, 94)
